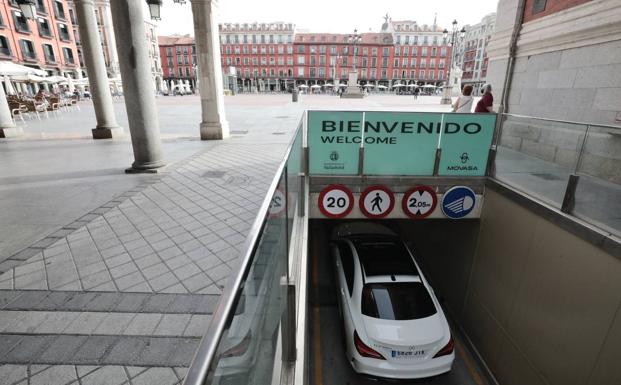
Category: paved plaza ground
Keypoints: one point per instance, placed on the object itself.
(108, 278)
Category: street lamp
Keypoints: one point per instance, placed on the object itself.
(354, 39)
(28, 8)
(455, 35)
(155, 8)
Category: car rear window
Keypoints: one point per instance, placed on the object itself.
(385, 258)
(397, 301)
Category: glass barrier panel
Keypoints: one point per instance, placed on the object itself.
(247, 349)
(537, 156)
(294, 168)
(598, 193)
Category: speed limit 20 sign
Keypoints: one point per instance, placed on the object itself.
(419, 202)
(336, 201)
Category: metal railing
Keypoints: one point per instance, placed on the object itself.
(240, 342)
(572, 166)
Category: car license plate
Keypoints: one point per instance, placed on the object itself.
(407, 354)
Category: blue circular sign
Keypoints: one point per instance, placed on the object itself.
(458, 202)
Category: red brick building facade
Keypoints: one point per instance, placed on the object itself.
(46, 43)
(271, 57)
(178, 57)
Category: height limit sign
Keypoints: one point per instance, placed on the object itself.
(419, 202)
(336, 201)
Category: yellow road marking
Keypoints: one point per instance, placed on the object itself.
(317, 324)
(469, 364)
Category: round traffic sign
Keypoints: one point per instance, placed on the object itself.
(335, 201)
(278, 203)
(458, 202)
(377, 201)
(419, 202)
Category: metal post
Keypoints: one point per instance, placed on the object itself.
(569, 200)
(289, 351)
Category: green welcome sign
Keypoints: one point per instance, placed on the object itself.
(399, 143)
(334, 139)
(465, 144)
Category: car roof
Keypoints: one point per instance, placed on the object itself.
(382, 255)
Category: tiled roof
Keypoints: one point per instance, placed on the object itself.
(336, 38)
(175, 40)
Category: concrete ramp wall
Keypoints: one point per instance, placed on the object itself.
(543, 304)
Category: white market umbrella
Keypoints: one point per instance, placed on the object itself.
(315, 86)
(10, 90)
(56, 79)
(398, 85)
(413, 85)
(429, 86)
(342, 85)
(29, 78)
(11, 69)
(302, 86)
(369, 85)
(383, 87)
(328, 85)
(70, 84)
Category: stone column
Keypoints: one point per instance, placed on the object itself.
(138, 86)
(97, 74)
(114, 58)
(213, 124)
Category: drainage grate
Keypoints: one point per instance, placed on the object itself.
(238, 132)
(214, 174)
(547, 176)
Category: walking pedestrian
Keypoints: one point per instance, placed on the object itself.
(486, 103)
(464, 102)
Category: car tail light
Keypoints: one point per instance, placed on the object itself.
(240, 348)
(364, 350)
(447, 349)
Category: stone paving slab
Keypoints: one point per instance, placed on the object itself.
(85, 374)
(68, 301)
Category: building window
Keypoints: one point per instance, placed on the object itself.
(21, 23)
(63, 31)
(374, 51)
(395, 62)
(301, 71)
(397, 51)
(384, 76)
(385, 51)
(28, 50)
(421, 74)
(322, 72)
(313, 73)
(443, 52)
(300, 59)
(44, 27)
(68, 54)
(41, 6)
(48, 51)
(59, 10)
(434, 51)
(424, 51)
(413, 62)
(5, 48)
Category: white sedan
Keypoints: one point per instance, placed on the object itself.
(394, 326)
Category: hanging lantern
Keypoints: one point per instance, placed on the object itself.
(155, 8)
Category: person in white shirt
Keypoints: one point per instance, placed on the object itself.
(464, 102)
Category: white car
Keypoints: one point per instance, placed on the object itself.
(394, 326)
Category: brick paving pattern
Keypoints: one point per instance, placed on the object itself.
(124, 295)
